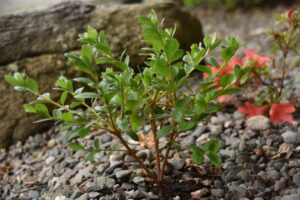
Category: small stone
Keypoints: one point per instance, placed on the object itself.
(291, 137)
(144, 154)
(187, 141)
(227, 153)
(103, 182)
(85, 196)
(258, 198)
(129, 159)
(272, 173)
(177, 163)
(116, 157)
(33, 194)
(128, 186)
(258, 123)
(51, 143)
(279, 185)
(49, 160)
(243, 175)
(196, 195)
(291, 197)
(60, 198)
(218, 184)
(123, 174)
(94, 194)
(296, 179)
(199, 130)
(139, 180)
(215, 129)
(217, 192)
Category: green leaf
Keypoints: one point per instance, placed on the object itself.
(86, 95)
(103, 45)
(164, 131)
(204, 69)
(161, 67)
(63, 97)
(29, 108)
(172, 50)
(84, 132)
(213, 61)
(87, 55)
(136, 120)
(197, 158)
(110, 60)
(186, 125)
(42, 110)
(67, 117)
(31, 85)
(12, 80)
(90, 156)
(227, 80)
(97, 143)
(212, 146)
(214, 158)
(133, 135)
(152, 36)
(76, 147)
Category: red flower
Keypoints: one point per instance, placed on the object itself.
(251, 110)
(223, 99)
(289, 14)
(229, 68)
(259, 60)
(280, 113)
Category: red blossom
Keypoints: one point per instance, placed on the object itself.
(251, 110)
(289, 14)
(280, 113)
(253, 56)
(223, 99)
(229, 68)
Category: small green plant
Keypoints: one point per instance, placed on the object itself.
(121, 102)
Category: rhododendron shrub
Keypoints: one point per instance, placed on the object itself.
(257, 71)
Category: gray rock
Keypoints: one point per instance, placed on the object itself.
(199, 130)
(187, 141)
(296, 179)
(272, 174)
(217, 192)
(291, 137)
(94, 195)
(258, 123)
(177, 163)
(279, 185)
(123, 174)
(128, 186)
(33, 194)
(231, 174)
(227, 153)
(50, 160)
(139, 180)
(215, 129)
(218, 184)
(85, 196)
(290, 197)
(103, 182)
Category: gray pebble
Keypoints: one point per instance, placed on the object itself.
(123, 174)
(258, 123)
(291, 137)
(296, 179)
(217, 192)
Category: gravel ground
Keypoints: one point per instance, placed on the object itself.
(260, 162)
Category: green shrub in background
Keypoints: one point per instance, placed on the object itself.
(121, 102)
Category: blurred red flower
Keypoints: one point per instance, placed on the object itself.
(253, 56)
(251, 110)
(280, 113)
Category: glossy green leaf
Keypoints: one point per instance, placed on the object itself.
(164, 131)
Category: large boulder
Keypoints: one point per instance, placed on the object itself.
(34, 43)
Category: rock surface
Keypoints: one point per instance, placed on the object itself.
(34, 43)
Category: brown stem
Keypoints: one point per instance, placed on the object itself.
(156, 146)
(167, 154)
(283, 72)
(132, 153)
